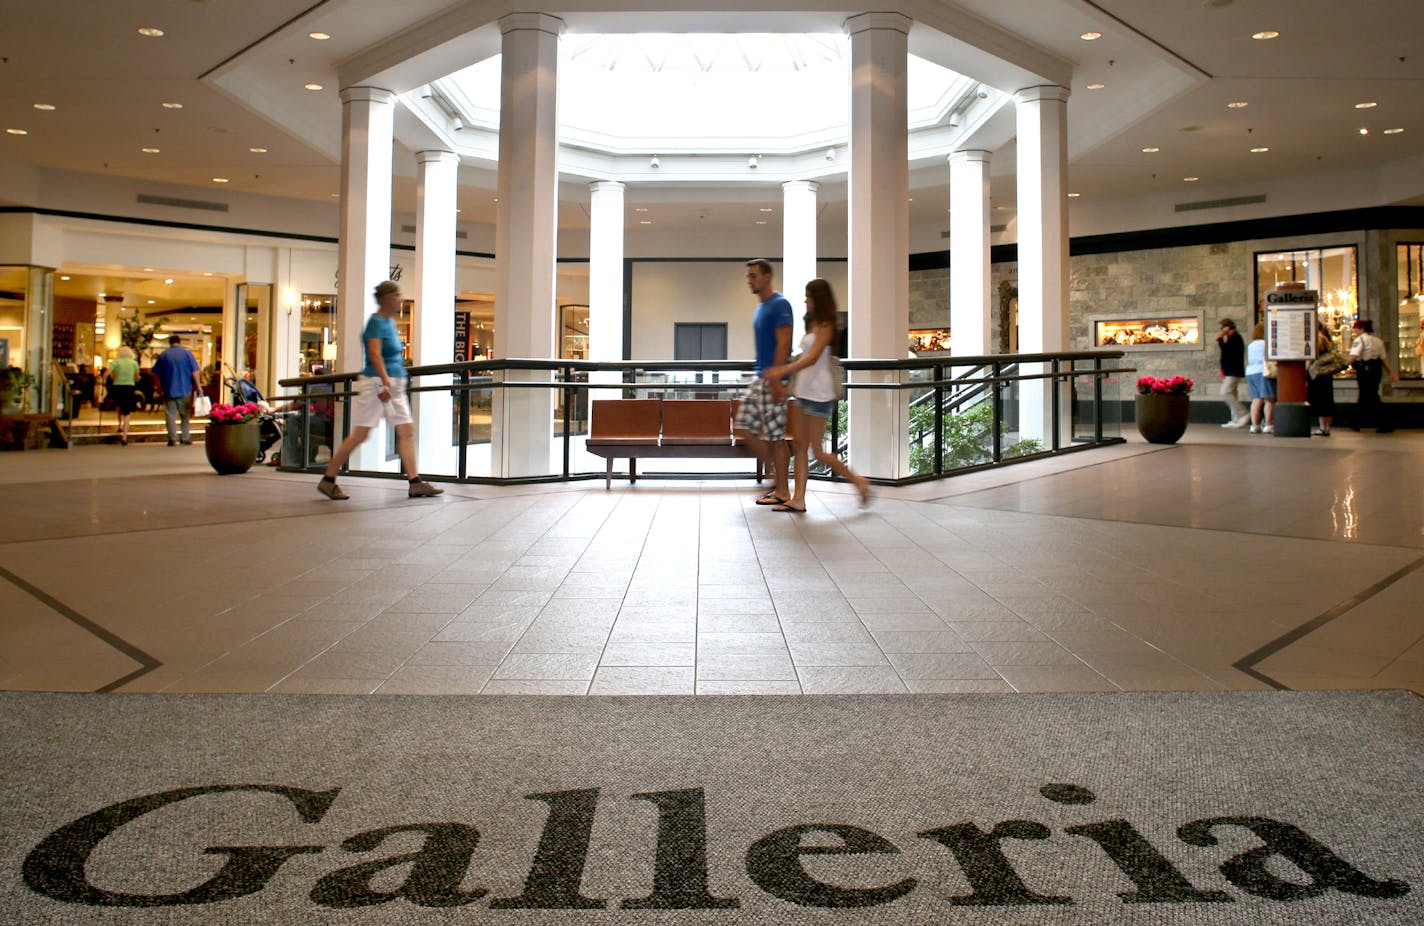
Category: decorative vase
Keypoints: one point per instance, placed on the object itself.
(231, 448)
(1162, 419)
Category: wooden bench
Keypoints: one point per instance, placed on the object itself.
(633, 428)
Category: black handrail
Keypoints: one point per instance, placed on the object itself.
(952, 394)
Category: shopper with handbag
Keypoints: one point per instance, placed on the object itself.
(1261, 380)
(1320, 391)
(818, 388)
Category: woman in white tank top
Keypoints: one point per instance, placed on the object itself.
(815, 397)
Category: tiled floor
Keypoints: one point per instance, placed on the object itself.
(1228, 561)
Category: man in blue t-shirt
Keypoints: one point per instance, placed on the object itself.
(761, 416)
(380, 393)
(177, 371)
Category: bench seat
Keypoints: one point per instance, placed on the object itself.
(633, 428)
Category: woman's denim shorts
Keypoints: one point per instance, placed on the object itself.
(1261, 388)
(815, 409)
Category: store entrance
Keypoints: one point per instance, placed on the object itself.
(100, 311)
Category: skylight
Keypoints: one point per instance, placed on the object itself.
(699, 93)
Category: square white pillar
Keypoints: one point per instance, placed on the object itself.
(367, 134)
(1042, 119)
(969, 296)
(433, 327)
(879, 298)
(798, 247)
(525, 240)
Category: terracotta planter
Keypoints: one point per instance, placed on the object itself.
(231, 448)
(1162, 419)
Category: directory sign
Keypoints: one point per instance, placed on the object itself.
(1290, 324)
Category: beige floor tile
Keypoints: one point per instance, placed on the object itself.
(643, 680)
(851, 680)
(1055, 678)
(776, 668)
(437, 679)
(723, 686)
(941, 665)
(741, 644)
(1004, 653)
(957, 685)
(649, 655)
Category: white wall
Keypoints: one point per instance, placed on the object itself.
(667, 292)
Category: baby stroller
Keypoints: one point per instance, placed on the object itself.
(269, 424)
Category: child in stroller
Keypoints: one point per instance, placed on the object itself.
(269, 422)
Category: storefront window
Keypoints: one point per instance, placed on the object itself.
(318, 332)
(1330, 271)
(26, 310)
(1411, 310)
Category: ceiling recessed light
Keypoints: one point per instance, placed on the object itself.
(1074, 195)
(1190, 179)
(319, 36)
(1150, 150)
(258, 150)
(1265, 35)
(335, 195)
(219, 180)
(207, 273)
(147, 269)
(1364, 131)
(172, 105)
(645, 222)
(149, 150)
(1259, 150)
(169, 281)
(151, 32)
(768, 210)
(150, 302)
(1366, 105)
(495, 199)
(1096, 86)
(64, 278)
(17, 132)
(1393, 131)
(761, 221)
(313, 86)
(1237, 104)
(45, 107)
(1091, 36)
(639, 209)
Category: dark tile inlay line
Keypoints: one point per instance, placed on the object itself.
(1248, 663)
(147, 662)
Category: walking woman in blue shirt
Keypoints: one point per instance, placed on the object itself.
(380, 393)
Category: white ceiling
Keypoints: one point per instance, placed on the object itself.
(1170, 67)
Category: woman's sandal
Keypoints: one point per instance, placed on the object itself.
(771, 498)
(787, 506)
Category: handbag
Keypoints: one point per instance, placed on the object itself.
(1270, 369)
(1329, 363)
(202, 405)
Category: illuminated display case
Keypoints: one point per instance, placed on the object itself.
(1149, 333)
(923, 340)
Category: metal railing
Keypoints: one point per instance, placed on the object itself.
(957, 415)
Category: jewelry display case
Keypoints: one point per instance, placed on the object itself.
(1159, 332)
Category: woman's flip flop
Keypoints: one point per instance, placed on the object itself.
(786, 506)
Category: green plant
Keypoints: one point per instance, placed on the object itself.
(137, 335)
(15, 386)
(967, 439)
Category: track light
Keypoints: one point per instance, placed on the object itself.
(830, 154)
(654, 162)
(752, 162)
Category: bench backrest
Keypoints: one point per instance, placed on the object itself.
(624, 419)
(697, 421)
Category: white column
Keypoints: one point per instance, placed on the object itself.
(433, 325)
(605, 271)
(234, 316)
(367, 126)
(969, 298)
(1042, 117)
(525, 238)
(798, 247)
(879, 297)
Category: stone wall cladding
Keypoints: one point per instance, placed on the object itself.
(1214, 280)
